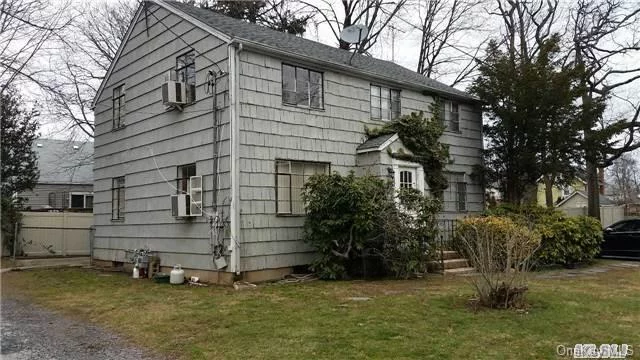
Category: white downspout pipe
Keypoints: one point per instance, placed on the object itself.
(234, 247)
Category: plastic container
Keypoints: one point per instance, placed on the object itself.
(136, 272)
(177, 275)
(161, 278)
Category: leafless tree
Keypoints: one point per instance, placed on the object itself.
(78, 65)
(603, 33)
(624, 176)
(526, 25)
(376, 15)
(443, 23)
(25, 27)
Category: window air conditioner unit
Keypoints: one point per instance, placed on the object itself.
(186, 205)
(173, 92)
(180, 205)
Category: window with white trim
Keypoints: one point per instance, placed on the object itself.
(455, 196)
(450, 115)
(290, 179)
(407, 179)
(81, 200)
(385, 103)
(302, 87)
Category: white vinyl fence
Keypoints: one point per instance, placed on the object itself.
(55, 234)
(608, 214)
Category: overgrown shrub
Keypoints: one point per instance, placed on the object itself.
(569, 240)
(565, 240)
(501, 250)
(350, 218)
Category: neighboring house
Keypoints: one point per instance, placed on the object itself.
(286, 108)
(559, 192)
(66, 175)
(578, 199)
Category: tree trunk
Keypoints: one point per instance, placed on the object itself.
(593, 191)
(548, 191)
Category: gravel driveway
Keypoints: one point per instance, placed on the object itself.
(31, 332)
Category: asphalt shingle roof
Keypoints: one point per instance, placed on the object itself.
(60, 163)
(243, 30)
(375, 142)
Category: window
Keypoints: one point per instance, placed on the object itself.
(290, 179)
(186, 73)
(385, 103)
(302, 87)
(118, 107)
(455, 196)
(185, 172)
(117, 198)
(407, 179)
(450, 115)
(81, 201)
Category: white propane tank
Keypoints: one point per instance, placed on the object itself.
(136, 272)
(177, 275)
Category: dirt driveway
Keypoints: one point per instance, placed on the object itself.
(31, 332)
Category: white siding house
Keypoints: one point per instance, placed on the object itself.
(285, 108)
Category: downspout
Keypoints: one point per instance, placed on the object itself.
(234, 263)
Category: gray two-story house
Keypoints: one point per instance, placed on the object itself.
(234, 117)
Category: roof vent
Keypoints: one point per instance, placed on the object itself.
(76, 147)
(39, 145)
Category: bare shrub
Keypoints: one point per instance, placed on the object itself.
(502, 253)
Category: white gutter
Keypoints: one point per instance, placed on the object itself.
(234, 247)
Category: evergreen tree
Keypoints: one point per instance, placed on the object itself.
(274, 14)
(534, 126)
(19, 130)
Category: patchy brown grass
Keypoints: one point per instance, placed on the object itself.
(426, 318)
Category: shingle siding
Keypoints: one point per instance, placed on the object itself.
(172, 138)
(271, 130)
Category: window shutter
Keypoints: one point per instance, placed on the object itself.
(195, 195)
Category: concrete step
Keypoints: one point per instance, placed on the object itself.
(448, 264)
(449, 254)
(460, 271)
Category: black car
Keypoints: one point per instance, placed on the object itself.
(622, 239)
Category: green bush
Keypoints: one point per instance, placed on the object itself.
(569, 240)
(565, 240)
(350, 219)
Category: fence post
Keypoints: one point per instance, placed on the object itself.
(92, 231)
(15, 239)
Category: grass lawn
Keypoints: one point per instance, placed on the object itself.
(416, 319)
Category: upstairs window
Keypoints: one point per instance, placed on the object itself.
(290, 179)
(385, 103)
(186, 73)
(118, 106)
(302, 87)
(117, 198)
(185, 172)
(450, 115)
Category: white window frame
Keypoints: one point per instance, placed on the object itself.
(416, 169)
(84, 198)
(391, 114)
